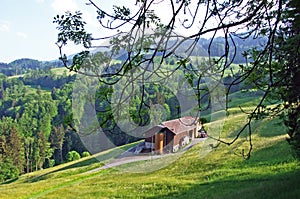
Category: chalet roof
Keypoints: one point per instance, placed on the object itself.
(181, 125)
(155, 129)
(176, 126)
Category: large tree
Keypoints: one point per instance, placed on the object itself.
(286, 71)
(144, 36)
(57, 138)
(15, 149)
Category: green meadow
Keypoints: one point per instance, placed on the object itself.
(271, 172)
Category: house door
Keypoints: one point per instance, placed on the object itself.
(159, 142)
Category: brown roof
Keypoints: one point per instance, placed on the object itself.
(176, 126)
(155, 129)
(182, 124)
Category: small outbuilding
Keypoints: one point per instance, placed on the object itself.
(170, 136)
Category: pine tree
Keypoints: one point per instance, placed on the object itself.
(28, 147)
(15, 149)
(3, 147)
(43, 148)
(57, 138)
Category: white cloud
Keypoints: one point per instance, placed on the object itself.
(60, 6)
(22, 35)
(4, 26)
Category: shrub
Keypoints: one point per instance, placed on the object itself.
(73, 155)
(86, 154)
(51, 163)
(8, 171)
(203, 120)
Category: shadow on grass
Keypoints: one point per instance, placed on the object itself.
(72, 166)
(280, 185)
(271, 128)
(9, 181)
(282, 182)
(104, 156)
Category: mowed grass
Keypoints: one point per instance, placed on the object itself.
(62, 71)
(271, 172)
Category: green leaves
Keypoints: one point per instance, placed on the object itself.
(72, 28)
(78, 60)
(101, 14)
(183, 62)
(72, 156)
(121, 12)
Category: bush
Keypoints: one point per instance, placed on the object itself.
(203, 120)
(73, 155)
(51, 163)
(8, 171)
(86, 154)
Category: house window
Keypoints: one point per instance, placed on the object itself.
(191, 134)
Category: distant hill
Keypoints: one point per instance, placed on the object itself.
(26, 63)
(216, 49)
(241, 45)
(22, 66)
(7, 69)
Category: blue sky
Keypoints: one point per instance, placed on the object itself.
(27, 31)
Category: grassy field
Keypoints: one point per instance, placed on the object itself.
(271, 172)
(61, 71)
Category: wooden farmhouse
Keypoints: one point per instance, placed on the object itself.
(171, 135)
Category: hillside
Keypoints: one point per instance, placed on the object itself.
(271, 172)
(22, 66)
(37, 132)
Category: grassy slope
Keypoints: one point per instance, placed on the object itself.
(272, 172)
(61, 71)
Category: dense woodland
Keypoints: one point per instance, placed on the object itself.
(34, 134)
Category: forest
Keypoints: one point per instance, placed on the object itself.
(34, 134)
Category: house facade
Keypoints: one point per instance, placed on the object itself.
(170, 136)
